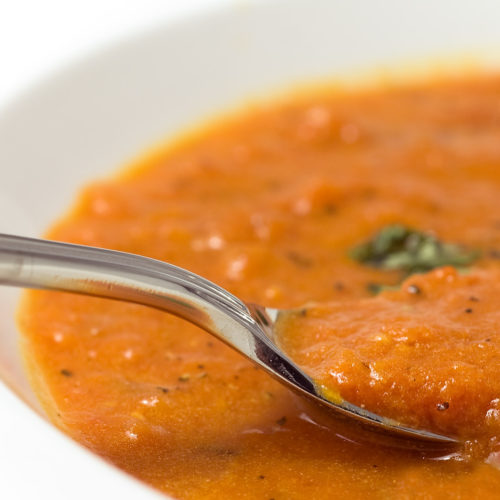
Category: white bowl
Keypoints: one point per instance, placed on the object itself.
(88, 120)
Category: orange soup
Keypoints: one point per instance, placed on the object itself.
(287, 204)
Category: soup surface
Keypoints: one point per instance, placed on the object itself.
(270, 205)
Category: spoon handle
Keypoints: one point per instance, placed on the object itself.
(35, 263)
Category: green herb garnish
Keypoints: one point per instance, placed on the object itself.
(400, 248)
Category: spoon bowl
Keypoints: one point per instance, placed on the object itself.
(247, 328)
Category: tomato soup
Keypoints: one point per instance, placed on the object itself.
(274, 204)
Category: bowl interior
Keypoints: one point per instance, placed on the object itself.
(93, 117)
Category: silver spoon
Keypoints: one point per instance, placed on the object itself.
(247, 328)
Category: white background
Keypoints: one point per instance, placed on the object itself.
(38, 36)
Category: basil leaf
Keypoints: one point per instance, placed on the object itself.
(401, 248)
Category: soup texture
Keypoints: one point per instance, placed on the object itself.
(285, 205)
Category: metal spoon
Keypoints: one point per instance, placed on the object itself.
(247, 328)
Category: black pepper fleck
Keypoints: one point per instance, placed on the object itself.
(442, 406)
(162, 389)
(224, 452)
(473, 299)
(299, 260)
(66, 373)
(468, 310)
(261, 476)
(281, 421)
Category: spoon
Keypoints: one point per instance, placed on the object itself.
(247, 328)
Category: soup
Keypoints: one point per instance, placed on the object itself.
(271, 204)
